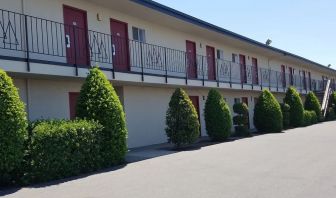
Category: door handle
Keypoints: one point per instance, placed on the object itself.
(113, 50)
(67, 41)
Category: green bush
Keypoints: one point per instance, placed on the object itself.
(267, 114)
(309, 118)
(285, 114)
(183, 127)
(13, 129)
(332, 102)
(217, 116)
(60, 149)
(331, 114)
(293, 99)
(240, 120)
(313, 104)
(99, 101)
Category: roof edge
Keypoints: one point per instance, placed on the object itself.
(188, 18)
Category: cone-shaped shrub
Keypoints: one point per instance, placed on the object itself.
(293, 99)
(313, 104)
(13, 129)
(285, 114)
(267, 114)
(181, 120)
(99, 101)
(240, 120)
(217, 116)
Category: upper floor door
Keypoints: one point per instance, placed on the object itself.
(255, 76)
(291, 78)
(76, 35)
(210, 52)
(242, 62)
(283, 75)
(191, 59)
(120, 51)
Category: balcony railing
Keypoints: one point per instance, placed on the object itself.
(34, 39)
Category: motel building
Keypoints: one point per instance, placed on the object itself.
(146, 50)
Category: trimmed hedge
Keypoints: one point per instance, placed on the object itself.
(241, 119)
(217, 116)
(60, 149)
(99, 101)
(285, 114)
(13, 130)
(332, 102)
(309, 118)
(331, 115)
(267, 114)
(183, 127)
(313, 104)
(293, 99)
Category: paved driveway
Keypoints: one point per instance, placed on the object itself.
(297, 163)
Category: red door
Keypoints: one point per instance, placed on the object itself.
(191, 59)
(120, 51)
(73, 96)
(76, 35)
(245, 100)
(291, 80)
(283, 74)
(210, 51)
(255, 71)
(242, 62)
(195, 101)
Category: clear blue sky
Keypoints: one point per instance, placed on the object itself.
(303, 27)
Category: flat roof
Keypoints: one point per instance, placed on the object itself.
(190, 19)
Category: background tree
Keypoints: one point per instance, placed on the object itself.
(217, 116)
(293, 99)
(183, 127)
(267, 113)
(13, 129)
(98, 101)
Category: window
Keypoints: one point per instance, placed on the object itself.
(237, 100)
(220, 54)
(234, 58)
(139, 34)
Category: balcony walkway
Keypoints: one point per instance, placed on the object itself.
(297, 163)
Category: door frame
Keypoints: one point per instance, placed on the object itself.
(88, 59)
(127, 42)
(214, 60)
(195, 63)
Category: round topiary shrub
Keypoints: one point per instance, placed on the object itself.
(183, 127)
(98, 101)
(285, 115)
(13, 129)
(332, 102)
(217, 116)
(331, 115)
(293, 99)
(267, 114)
(240, 120)
(309, 118)
(313, 104)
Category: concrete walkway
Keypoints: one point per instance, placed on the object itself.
(298, 163)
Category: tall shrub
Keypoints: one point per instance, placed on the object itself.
(13, 129)
(181, 120)
(99, 101)
(267, 113)
(217, 116)
(240, 120)
(285, 114)
(293, 99)
(313, 104)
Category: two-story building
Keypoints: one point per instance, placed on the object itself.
(147, 50)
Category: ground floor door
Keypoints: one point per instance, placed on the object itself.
(76, 36)
(120, 51)
(73, 96)
(210, 52)
(191, 59)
